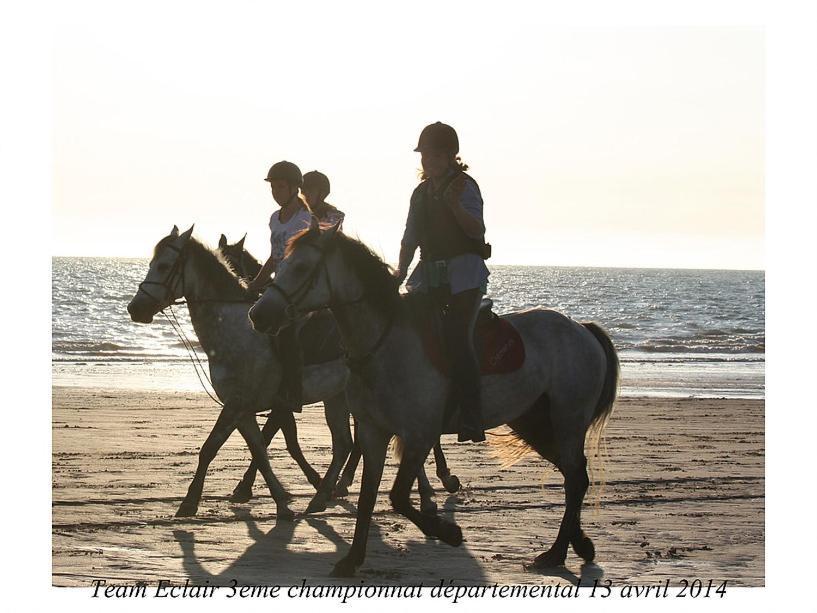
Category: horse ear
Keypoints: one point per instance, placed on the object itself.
(187, 234)
(313, 224)
(240, 244)
(175, 231)
(222, 242)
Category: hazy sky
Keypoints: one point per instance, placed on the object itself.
(592, 146)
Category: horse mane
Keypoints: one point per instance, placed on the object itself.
(379, 284)
(213, 266)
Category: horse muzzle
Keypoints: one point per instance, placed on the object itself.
(140, 311)
(264, 320)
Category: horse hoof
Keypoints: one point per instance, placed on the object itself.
(344, 568)
(284, 512)
(241, 493)
(187, 509)
(449, 533)
(584, 548)
(341, 491)
(316, 505)
(549, 559)
(452, 484)
(428, 507)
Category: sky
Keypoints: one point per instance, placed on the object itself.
(593, 146)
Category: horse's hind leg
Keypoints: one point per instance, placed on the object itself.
(427, 502)
(450, 482)
(243, 491)
(373, 444)
(573, 465)
(348, 475)
(223, 428)
(431, 524)
(255, 441)
(337, 418)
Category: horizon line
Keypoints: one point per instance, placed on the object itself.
(713, 268)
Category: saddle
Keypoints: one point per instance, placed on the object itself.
(498, 345)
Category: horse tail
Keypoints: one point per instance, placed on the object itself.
(609, 391)
(594, 441)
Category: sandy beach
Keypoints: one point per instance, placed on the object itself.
(684, 499)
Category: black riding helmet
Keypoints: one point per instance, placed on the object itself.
(317, 179)
(439, 136)
(286, 171)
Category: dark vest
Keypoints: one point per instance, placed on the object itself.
(440, 236)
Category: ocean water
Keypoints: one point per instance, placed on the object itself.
(678, 332)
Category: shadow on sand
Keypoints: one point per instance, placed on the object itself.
(295, 550)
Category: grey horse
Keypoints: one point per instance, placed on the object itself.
(244, 368)
(246, 266)
(566, 386)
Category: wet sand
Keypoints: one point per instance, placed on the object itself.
(684, 499)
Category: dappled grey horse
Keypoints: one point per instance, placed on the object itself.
(246, 266)
(566, 386)
(244, 368)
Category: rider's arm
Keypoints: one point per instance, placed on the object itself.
(465, 202)
(263, 275)
(408, 245)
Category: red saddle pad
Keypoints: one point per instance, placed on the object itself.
(499, 347)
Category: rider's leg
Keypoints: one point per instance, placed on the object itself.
(460, 321)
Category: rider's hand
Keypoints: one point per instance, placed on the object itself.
(453, 193)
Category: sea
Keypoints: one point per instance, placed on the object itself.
(679, 333)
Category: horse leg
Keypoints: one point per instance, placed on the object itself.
(337, 418)
(223, 428)
(427, 502)
(373, 444)
(573, 465)
(431, 524)
(255, 441)
(450, 482)
(348, 476)
(290, 430)
(243, 491)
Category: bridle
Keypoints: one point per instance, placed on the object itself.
(175, 273)
(293, 312)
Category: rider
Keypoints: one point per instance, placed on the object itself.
(445, 221)
(285, 179)
(315, 191)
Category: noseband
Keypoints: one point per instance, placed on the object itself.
(292, 310)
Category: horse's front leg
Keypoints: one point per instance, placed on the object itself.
(223, 428)
(432, 525)
(337, 418)
(373, 443)
(243, 491)
(255, 441)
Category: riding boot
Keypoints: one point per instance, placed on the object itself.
(292, 368)
(460, 321)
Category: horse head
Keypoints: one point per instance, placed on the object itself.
(164, 282)
(301, 284)
(239, 259)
